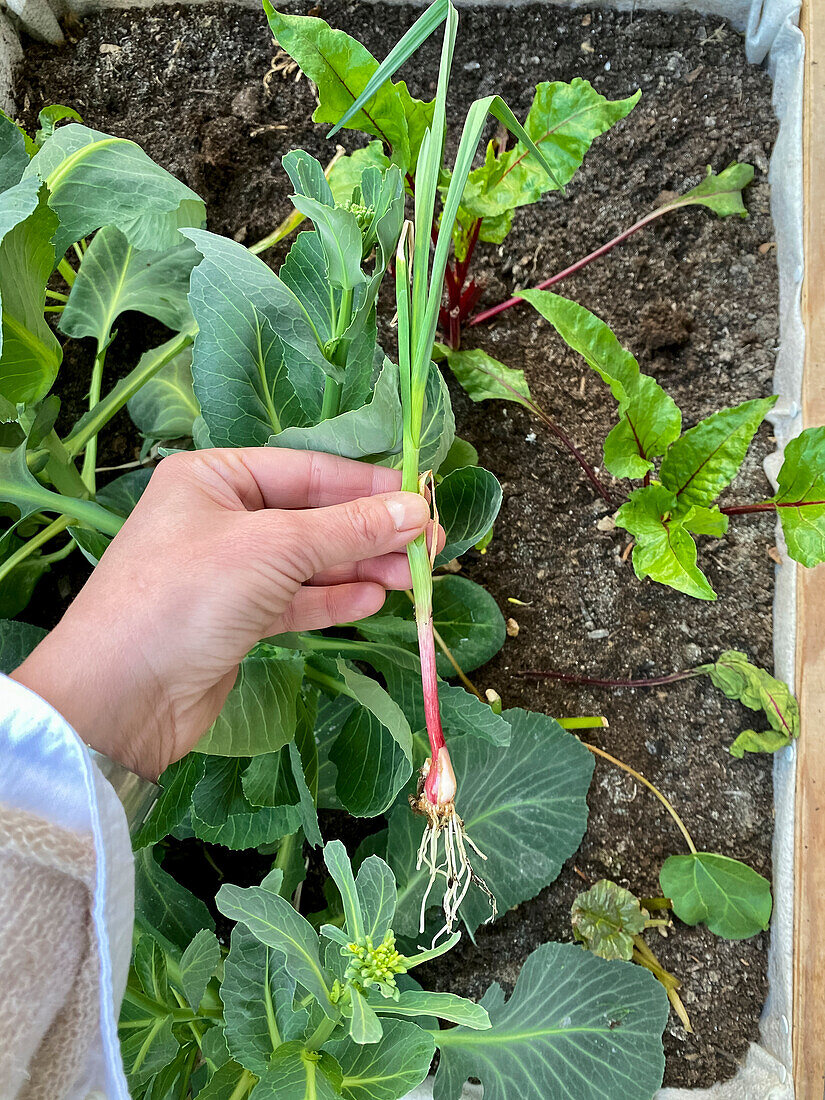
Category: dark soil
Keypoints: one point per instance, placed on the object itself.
(694, 297)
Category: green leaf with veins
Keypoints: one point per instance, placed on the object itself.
(147, 1043)
(605, 919)
(17, 640)
(198, 964)
(705, 521)
(365, 1027)
(374, 430)
(13, 155)
(297, 1074)
(30, 353)
(524, 806)
(734, 674)
(226, 1080)
(726, 895)
(178, 782)
(257, 995)
(275, 923)
(465, 615)
(563, 121)
(373, 751)
(377, 893)
(461, 453)
(649, 420)
(446, 1006)
(340, 67)
(164, 908)
(340, 237)
(166, 407)
(259, 714)
(388, 1069)
(468, 502)
(95, 179)
(150, 965)
(340, 869)
(575, 1025)
(222, 814)
(115, 277)
(800, 499)
(706, 458)
(484, 378)
(720, 193)
(241, 378)
(306, 175)
(664, 549)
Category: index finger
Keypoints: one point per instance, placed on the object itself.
(274, 477)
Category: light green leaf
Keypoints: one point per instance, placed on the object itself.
(17, 640)
(605, 919)
(733, 674)
(462, 712)
(95, 180)
(340, 68)
(198, 964)
(468, 503)
(800, 500)
(115, 277)
(563, 121)
(664, 550)
(221, 812)
(575, 1026)
(524, 806)
(649, 419)
(446, 1006)
(48, 119)
(345, 174)
(375, 884)
(365, 1027)
(30, 354)
(259, 714)
(166, 407)
(245, 314)
(223, 1083)
(177, 782)
(340, 869)
(275, 923)
(373, 751)
(298, 1074)
(484, 378)
(164, 908)
(699, 465)
(387, 1070)
(705, 521)
(720, 193)
(257, 995)
(726, 895)
(374, 430)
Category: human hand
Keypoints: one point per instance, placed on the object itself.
(224, 548)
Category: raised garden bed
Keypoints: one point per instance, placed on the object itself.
(694, 297)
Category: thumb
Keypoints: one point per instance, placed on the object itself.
(316, 539)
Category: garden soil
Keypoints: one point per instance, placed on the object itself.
(205, 93)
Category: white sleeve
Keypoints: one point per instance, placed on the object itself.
(47, 775)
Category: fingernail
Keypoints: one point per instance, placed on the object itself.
(408, 511)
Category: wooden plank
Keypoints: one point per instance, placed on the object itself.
(809, 903)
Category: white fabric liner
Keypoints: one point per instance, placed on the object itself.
(774, 39)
